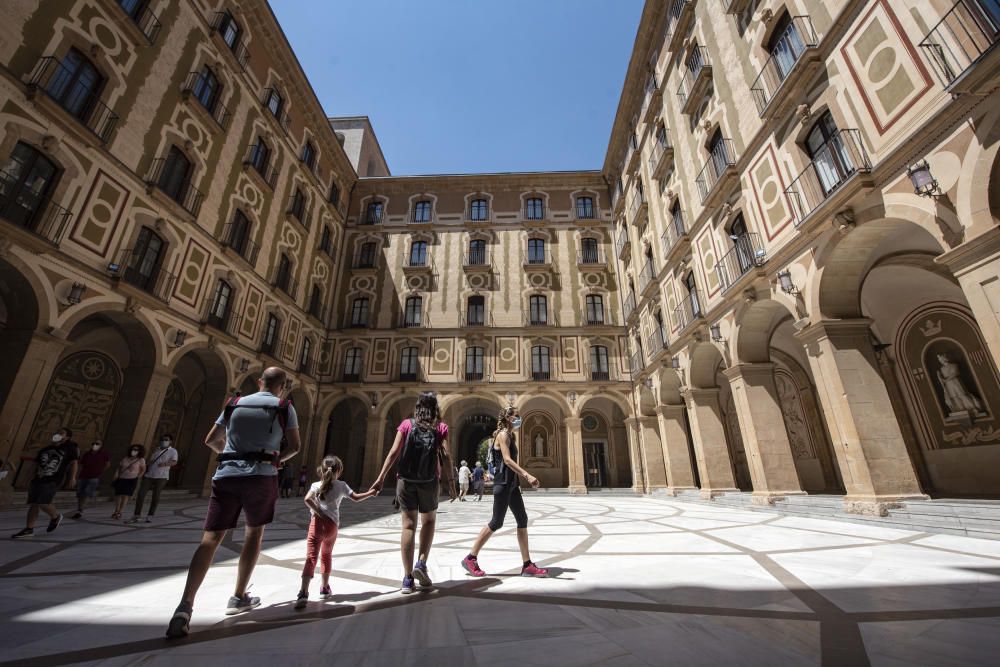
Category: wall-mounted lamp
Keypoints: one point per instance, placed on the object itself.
(114, 268)
(571, 397)
(374, 399)
(76, 293)
(179, 337)
(924, 183)
(716, 332)
(785, 282)
(511, 397)
(675, 363)
(244, 365)
(648, 382)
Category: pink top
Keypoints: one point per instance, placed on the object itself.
(442, 430)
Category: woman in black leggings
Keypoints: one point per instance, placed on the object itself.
(506, 493)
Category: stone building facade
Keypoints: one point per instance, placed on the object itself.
(783, 280)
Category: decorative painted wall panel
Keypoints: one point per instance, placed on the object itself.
(769, 194)
(190, 275)
(251, 311)
(442, 356)
(508, 360)
(570, 354)
(380, 356)
(101, 214)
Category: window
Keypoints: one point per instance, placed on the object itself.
(540, 369)
(283, 276)
(536, 251)
(477, 252)
(538, 310)
(144, 261)
(408, 364)
(744, 251)
(373, 215)
(473, 363)
(412, 311)
(475, 311)
(26, 182)
(315, 301)
(677, 217)
(352, 365)
(175, 174)
(418, 253)
(830, 161)
(133, 8)
(534, 209)
(661, 135)
(366, 257)
(75, 85)
(599, 369)
(422, 211)
(585, 208)
(334, 194)
(269, 342)
(304, 356)
(309, 155)
(218, 314)
(588, 250)
(479, 210)
(326, 241)
(260, 155)
(207, 88)
(230, 31)
(785, 46)
(239, 233)
(595, 309)
(297, 207)
(274, 102)
(719, 153)
(359, 312)
(661, 329)
(695, 61)
(692, 290)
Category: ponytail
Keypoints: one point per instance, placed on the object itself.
(427, 413)
(504, 421)
(328, 471)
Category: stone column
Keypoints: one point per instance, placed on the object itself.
(636, 456)
(373, 450)
(152, 404)
(676, 454)
(574, 455)
(974, 264)
(875, 466)
(772, 464)
(656, 472)
(709, 438)
(25, 397)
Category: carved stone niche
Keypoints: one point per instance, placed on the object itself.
(843, 220)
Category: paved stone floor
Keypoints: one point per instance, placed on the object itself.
(637, 581)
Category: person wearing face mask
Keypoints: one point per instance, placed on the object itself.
(130, 469)
(55, 466)
(93, 463)
(506, 494)
(157, 474)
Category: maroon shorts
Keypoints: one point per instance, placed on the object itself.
(255, 495)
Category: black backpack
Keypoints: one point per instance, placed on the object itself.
(280, 412)
(419, 460)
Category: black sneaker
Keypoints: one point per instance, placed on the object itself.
(24, 532)
(54, 523)
(240, 604)
(78, 515)
(179, 623)
(302, 600)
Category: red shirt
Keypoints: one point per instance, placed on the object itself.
(92, 463)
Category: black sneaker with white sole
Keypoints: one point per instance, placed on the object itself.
(238, 605)
(54, 523)
(24, 532)
(179, 622)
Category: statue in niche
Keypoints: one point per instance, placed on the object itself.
(960, 401)
(539, 445)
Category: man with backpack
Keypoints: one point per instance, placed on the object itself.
(424, 464)
(247, 438)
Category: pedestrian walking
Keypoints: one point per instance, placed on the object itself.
(130, 469)
(247, 438)
(323, 500)
(464, 477)
(287, 480)
(155, 478)
(478, 480)
(424, 464)
(55, 468)
(506, 494)
(93, 463)
(303, 479)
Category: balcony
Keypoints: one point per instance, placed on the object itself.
(238, 49)
(535, 214)
(622, 243)
(349, 372)
(474, 320)
(23, 207)
(541, 375)
(363, 262)
(474, 376)
(652, 101)
(130, 270)
(661, 156)
(272, 347)
(696, 80)
(629, 306)
(414, 320)
(540, 318)
(61, 85)
(183, 193)
(636, 362)
(258, 159)
(325, 246)
(409, 373)
(839, 163)
(617, 200)
(425, 218)
(602, 373)
(237, 239)
(794, 58)
(960, 40)
(632, 155)
(476, 261)
(144, 20)
(598, 318)
(196, 87)
(678, 20)
(372, 216)
(674, 237)
(656, 343)
(537, 260)
(689, 311)
(638, 209)
(307, 366)
(591, 259)
(226, 321)
(746, 254)
(281, 117)
(647, 278)
(719, 171)
(479, 216)
(283, 281)
(736, 6)
(418, 264)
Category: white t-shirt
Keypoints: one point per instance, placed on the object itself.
(330, 506)
(153, 468)
(464, 475)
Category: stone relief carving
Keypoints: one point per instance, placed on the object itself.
(795, 420)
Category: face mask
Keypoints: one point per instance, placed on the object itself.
(96, 446)
(516, 423)
(57, 438)
(164, 444)
(134, 452)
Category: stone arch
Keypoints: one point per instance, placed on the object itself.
(706, 362)
(22, 310)
(607, 456)
(345, 435)
(542, 444)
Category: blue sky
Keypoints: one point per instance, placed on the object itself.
(457, 86)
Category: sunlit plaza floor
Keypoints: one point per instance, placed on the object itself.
(636, 581)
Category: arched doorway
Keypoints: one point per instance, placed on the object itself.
(345, 437)
(607, 462)
(18, 322)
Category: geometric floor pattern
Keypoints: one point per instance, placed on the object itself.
(636, 581)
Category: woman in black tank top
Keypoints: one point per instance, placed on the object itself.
(506, 494)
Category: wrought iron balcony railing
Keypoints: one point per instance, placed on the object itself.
(674, 232)
(237, 237)
(182, 192)
(840, 158)
(969, 30)
(260, 159)
(591, 257)
(476, 259)
(280, 116)
(22, 206)
(132, 271)
(785, 56)
(746, 254)
(221, 319)
(647, 276)
(689, 309)
(196, 85)
(238, 49)
(76, 98)
(722, 157)
(629, 306)
(622, 242)
(350, 371)
(694, 83)
(540, 317)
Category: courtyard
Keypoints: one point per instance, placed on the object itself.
(635, 581)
